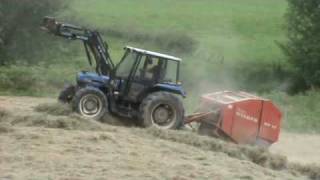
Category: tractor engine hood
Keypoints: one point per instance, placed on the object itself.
(84, 78)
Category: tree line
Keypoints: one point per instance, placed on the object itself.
(20, 34)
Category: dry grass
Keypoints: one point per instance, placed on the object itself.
(44, 153)
(57, 109)
(311, 170)
(72, 122)
(60, 120)
(3, 114)
(261, 157)
(255, 155)
(5, 128)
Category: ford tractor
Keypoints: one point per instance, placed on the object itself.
(144, 85)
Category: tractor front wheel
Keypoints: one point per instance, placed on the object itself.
(90, 102)
(162, 110)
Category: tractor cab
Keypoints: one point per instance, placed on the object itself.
(141, 72)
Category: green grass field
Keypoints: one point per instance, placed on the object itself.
(238, 31)
(230, 37)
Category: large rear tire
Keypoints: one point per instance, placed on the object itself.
(162, 110)
(91, 103)
(67, 94)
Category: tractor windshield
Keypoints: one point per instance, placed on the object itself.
(125, 66)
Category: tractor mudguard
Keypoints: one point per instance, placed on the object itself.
(172, 88)
(92, 79)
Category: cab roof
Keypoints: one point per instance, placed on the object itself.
(155, 54)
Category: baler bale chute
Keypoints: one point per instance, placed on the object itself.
(238, 116)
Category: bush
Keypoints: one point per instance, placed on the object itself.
(300, 112)
(17, 78)
(20, 34)
(261, 77)
(29, 80)
(303, 47)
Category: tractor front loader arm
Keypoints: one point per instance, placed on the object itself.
(92, 41)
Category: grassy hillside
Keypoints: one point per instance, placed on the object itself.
(227, 34)
(237, 31)
(224, 45)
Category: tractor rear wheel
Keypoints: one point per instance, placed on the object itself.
(162, 110)
(90, 102)
(67, 94)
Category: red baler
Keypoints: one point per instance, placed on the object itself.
(241, 117)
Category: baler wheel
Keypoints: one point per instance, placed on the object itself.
(262, 143)
(206, 129)
(163, 110)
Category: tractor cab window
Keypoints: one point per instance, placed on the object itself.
(149, 69)
(124, 68)
(171, 73)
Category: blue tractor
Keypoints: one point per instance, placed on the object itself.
(144, 85)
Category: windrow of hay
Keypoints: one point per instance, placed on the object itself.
(72, 122)
(261, 157)
(61, 119)
(57, 109)
(3, 114)
(5, 127)
(310, 170)
(254, 154)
